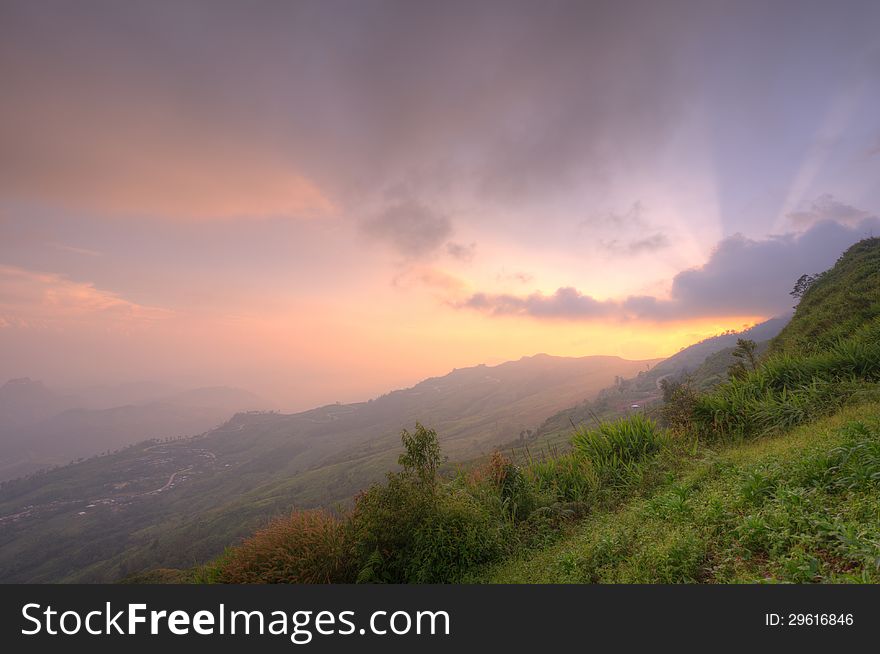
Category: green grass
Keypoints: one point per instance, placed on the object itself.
(799, 506)
(842, 304)
(787, 390)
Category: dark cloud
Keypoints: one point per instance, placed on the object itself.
(743, 277)
(461, 252)
(827, 207)
(409, 227)
(510, 98)
(564, 303)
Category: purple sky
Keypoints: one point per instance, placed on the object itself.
(323, 200)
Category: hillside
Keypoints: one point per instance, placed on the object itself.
(40, 428)
(773, 475)
(26, 401)
(178, 503)
(704, 363)
(783, 481)
(843, 303)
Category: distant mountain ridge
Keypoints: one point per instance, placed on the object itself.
(703, 359)
(693, 356)
(180, 502)
(41, 428)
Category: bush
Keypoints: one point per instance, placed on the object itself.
(414, 530)
(409, 533)
(617, 449)
(515, 492)
(679, 400)
(567, 477)
(309, 547)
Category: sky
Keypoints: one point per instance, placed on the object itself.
(322, 201)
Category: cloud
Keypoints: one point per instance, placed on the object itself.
(155, 177)
(566, 303)
(522, 105)
(86, 252)
(608, 227)
(827, 207)
(517, 276)
(448, 285)
(464, 253)
(410, 227)
(743, 277)
(652, 243)
(39, 299)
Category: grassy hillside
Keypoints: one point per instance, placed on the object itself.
(841, 304)
(704, 364)
(773, 475)
(799, 506)
(179, 503)
(783, 481)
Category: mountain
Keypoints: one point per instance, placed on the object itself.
(693, 356)
(217, 397)
(842, 303)
(704, 362)
(25, 401)
(40, 429)
(181, 502)
(123, 394)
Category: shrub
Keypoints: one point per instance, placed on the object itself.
(679, 400)
(407, 532)
(307, 547)
(616, 449)
(567, 477)
(514, 490)
(414, 530)
(421, 456)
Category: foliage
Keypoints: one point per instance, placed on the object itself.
(306, 547)
(405, 532)
(803, 284)
(616, 449)
(516, 493)
(786, 391)
(421, 456)
(843, 303)
(679, 399)
(745, 354)
(796, 508)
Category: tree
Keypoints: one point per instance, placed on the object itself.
(679, 399)
(803, 284)
(422, 454)
(747, 359)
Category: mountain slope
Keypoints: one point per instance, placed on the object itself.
(706, 361)
(40, 429)
(842, 303)
(25, 401)
(779, 480)
(178, 503)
